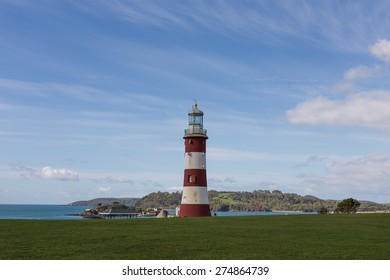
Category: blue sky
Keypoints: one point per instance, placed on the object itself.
(94, 97)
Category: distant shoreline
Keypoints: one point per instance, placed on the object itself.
(231, 201)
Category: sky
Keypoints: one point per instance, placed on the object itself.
(94, 97)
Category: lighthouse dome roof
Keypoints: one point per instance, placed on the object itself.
(195, 110)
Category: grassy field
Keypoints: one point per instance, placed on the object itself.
(365, 236)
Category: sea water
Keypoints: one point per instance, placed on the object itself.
(65, 212)
(40, 212)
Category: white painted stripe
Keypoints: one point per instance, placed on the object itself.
(194, 160)
(195, 195)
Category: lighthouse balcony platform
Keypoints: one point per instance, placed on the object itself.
(193, 131)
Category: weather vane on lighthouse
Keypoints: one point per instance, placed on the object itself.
(195, 201)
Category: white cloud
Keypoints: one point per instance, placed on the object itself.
(381, 49)
(231, 154)
(113, 179)
(220, 154)
(175, 189)
(372, 169)
(366, 177)
(220, 181)
(267, 185)
(46, 173)
(310, 160)
(230, 180)
(214, 180)
(102, 190)
(57, 174)
(361, 72)
(356, 75)
(367, 109)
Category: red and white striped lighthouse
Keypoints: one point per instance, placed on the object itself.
(195, 201)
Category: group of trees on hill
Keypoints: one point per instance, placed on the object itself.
(241, 201)
(160, 199)
(265, 200)
(260, 200)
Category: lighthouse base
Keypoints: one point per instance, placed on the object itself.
(194, 210)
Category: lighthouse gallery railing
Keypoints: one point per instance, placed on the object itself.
(195, 130)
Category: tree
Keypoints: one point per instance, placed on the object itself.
(323, 210)
(347, 206)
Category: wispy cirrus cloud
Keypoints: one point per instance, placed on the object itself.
(85, 94)
(270, 21)
(6, 107)
(47, 89)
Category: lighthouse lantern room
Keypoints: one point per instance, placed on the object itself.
(195, 202)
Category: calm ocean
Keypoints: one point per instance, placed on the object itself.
(40, 212)
(60, 212)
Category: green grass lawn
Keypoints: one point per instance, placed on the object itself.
(365, 236)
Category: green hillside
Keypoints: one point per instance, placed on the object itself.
(259, 200)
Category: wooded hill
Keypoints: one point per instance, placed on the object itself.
(105, 201)
(259, 200)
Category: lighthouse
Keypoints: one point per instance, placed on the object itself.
(195, 201)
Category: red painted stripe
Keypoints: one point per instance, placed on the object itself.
(195, 178)
(195, 144)
(194, 210)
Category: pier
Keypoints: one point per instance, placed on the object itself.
(118, 213)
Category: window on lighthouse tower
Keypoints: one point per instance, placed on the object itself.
(191, 178)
